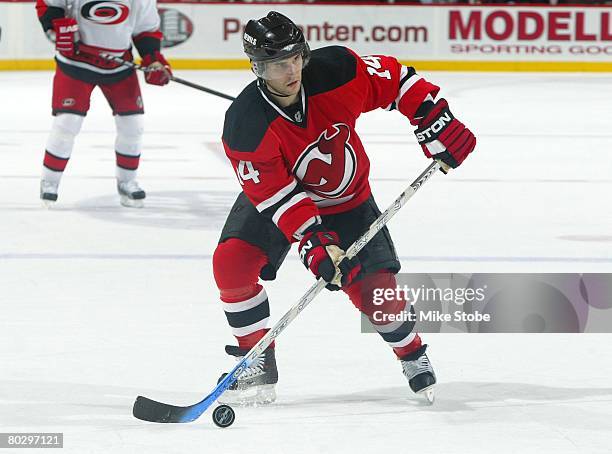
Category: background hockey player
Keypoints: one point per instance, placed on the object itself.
(304, 174)
(81, 29)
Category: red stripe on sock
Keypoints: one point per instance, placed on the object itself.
(54, 163)
(127, 162)
(411, 347)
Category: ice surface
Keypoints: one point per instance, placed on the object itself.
(100, 303)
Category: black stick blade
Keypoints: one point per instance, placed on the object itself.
(150, 410)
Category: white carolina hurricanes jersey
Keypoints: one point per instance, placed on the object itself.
(109, 25)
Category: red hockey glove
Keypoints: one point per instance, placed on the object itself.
(443, 137)
(320, 252)
(158, 69)
(66, 29)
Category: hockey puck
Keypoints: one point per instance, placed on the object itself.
(223, 416)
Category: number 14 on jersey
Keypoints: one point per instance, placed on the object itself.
(374, 65)
(246, 171)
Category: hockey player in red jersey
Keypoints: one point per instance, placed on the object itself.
(81, 30)
(290, 136)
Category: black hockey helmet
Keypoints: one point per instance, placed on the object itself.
(273, 38)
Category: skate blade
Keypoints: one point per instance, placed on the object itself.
(131, 203)
(252, 397)
(46, 203)
(429, 394)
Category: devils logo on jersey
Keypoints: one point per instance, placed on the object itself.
(327, 167)
(105, 12)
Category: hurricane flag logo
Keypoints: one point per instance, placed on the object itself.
(105, 12)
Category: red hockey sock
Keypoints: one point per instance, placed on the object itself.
(236, 267)
(398, 335)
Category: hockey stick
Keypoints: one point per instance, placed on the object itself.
(151, 410)
(178, 80)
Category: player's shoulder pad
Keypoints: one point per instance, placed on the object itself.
(247, 120)
(329, 68)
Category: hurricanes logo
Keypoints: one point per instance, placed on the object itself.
(105, 12)
(328, 166)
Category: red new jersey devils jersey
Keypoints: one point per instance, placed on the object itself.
(296, 164)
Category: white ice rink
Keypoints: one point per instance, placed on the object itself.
(100, 303)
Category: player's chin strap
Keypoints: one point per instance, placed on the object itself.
(154, 411)
(173, 78)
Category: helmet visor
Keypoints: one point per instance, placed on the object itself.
(280, 67)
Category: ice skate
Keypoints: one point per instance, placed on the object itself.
(421, 377)
(130, 194)
(257, 384)
(48, 192)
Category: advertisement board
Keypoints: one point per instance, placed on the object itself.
(199, 35)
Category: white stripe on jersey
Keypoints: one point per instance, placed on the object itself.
(276, 197)
(278, 109)
(407, 85)
(283, 208)
(323, 203)
(299, 233)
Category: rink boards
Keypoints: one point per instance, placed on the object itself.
(443, 37)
